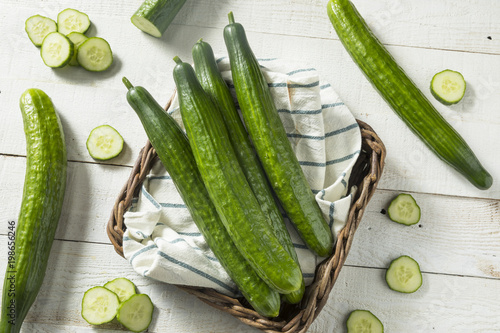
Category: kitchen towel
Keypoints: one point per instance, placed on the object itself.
(162, 242)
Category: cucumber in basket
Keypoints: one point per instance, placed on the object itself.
(174, 151)
(154, 16)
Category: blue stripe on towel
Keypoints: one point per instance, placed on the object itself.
(172, 205)
(338, 160)
(144, 249)
(301, 70)
(150, 198)
(322, 137)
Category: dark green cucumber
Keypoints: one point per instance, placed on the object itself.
(227, 186)
(407, 101)
(212, 82)
(43, 194)
(271, 143)
(154, 16)
(174, 151)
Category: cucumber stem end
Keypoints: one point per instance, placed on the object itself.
(231, 17)
(177, 60)
(127, 83)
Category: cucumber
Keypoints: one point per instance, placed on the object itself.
(271, 143)
(122, 287)
(154, 16)
(95, 55)
(212, 82)
(57, 50)
(99, 305)
(174, 151)
(77, 38)
(104, 143)
(37, 27)
(407, 101)
(404, 275)
(404, 209)
(44, 187)
(70, 20)
(363, 321)
(448, 87)
(227, 186)
(136, 313)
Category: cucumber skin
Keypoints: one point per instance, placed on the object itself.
(406, 100)
(41, 206)
(212, 82)
(160, 13)
(173, 149)
(228, 188)
(272, 145)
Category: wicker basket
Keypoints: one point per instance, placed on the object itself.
(293, 318)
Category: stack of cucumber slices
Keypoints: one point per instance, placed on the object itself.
(117, 299)
(65, 43)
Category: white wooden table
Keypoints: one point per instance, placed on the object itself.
(457, 241)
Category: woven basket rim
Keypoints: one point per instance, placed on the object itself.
(293, 318)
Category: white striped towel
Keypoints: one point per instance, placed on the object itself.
(162, 242)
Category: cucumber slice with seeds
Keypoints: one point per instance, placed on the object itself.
(95, 54)
(104, 143)
(448, 87)
(38, 27)
(404, 275)
(136, 313)
(122, 287)
(363, 321)
(404, 209)
(99, 305)
(77, 38)
(56, 50)
(70, 20)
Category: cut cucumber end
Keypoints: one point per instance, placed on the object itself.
(404, 275)
(99, 305)
(404, 210)
(145, 25)
(95, 55)
(363, 321)
(56, 50)
(122, 287)
(38, 27)
(136, 313)
(104, 143)
(70, 20)
(448, 87)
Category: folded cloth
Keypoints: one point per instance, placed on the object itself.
(162, 242)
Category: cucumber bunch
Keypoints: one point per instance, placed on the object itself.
(65, 43)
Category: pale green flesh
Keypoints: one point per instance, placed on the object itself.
(146, 26)
(404, 209)
(95, 55)
(136, 313)
(154, 16)
(122, 287)
(77, 38)
(56, 50)
(70, 20)
(104, 143)
(99, 305)
(448, 86)
(38, 27)
(363, 321)
(404, 275)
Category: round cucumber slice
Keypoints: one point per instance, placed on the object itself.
(136, 313)
(99, 305)
(104, 143)
(404, 275)
(38, 27)
(56, 50)
(122, 287)
(70, 20)
(404, 209)
(448, 87)
(77, 38)
(95, 54)
(363, 321)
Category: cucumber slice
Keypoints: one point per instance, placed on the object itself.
(94, 54)
(136, 313)
(38, 27)
(404, 275)
(122, 287)
(154, 16)
(70, 20)
(448, 87)
(363, 321)
(56, 50)
(404, 209)
(77, 38)
(99, 305)
(104, 143)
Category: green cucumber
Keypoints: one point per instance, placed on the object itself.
(407, 101)
(404, 209)
(70, 20)
(37, 27)
(272, 145)
(154, 16)
(122, 287)
(404, 275)
(43, 195)
(227, 186)
(104, 143)
(174, 151)
(212, 82)
(77, 38)
(363, 321)
(448, 87)
(99, 305)
(57, 50)
(94, 54)
(136, 313)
